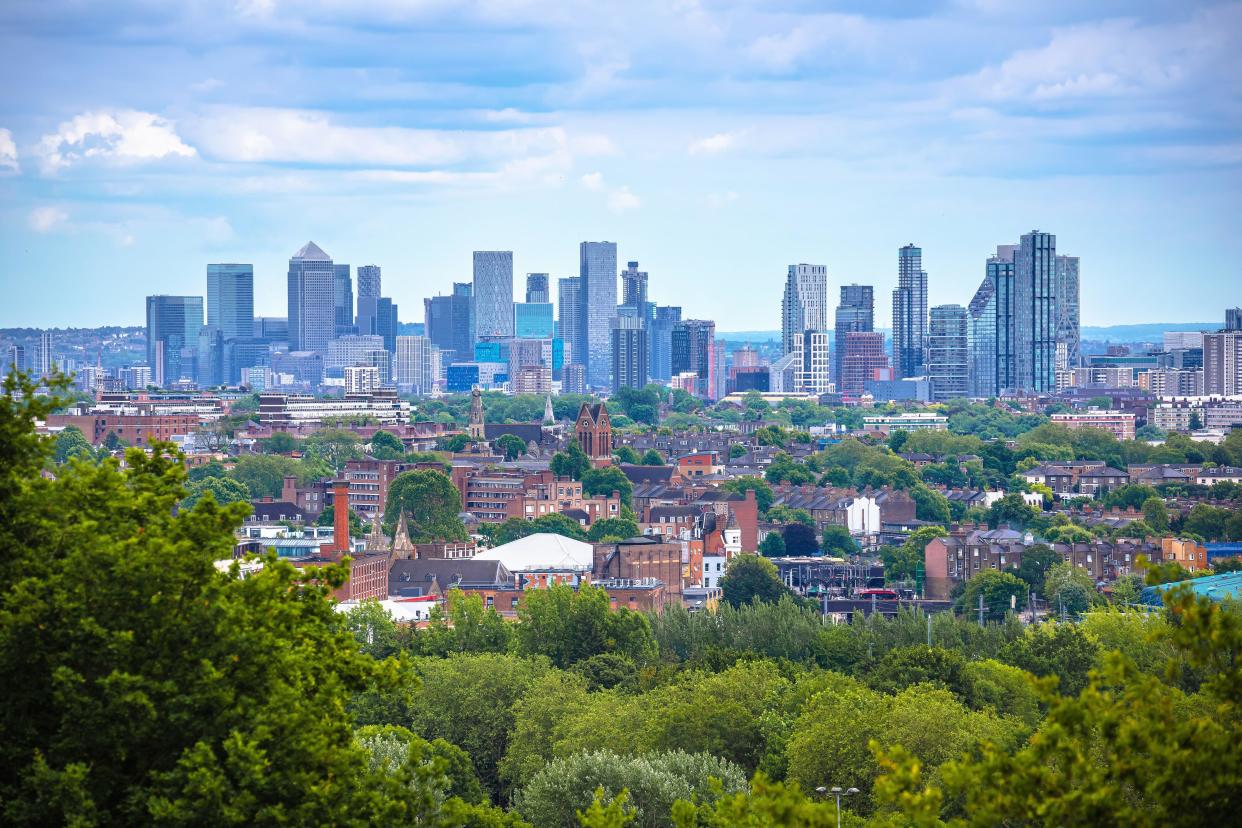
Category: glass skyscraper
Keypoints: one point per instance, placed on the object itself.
(634, 289)
(1000, 273)
(537, 289)
(343, 299)
(312, 301)
(910, 314)
(855, 313)
(947, 352)
(448, 322)
(693, 347)
(230, 299)
(369, 279)
(533, 320)
(1067, 308)
(804, 305)
(1035, 313)
(493, 294)
(386, 322)
(660, 341)
(173, 325)
(981, 340)
(569, 302)
(630, 353)
(598, 307)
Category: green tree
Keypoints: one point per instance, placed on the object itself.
(626, 454)
(431, 505)
(1011, 510)
(281, 442)
(463, 625)
(652, 458)
(569, 625)
(214, 468)
(605, 481)
(328, 518)
(160, 689)
(1208, 522)
(639, 404)
(70, 442)
(1053, 649)
(653, 782)
(784, 469)
(1156, 514)
(572, 462)
(996, 589)
(902, 562)
(387, 446)
(264, 475)
(903, 667)
(1033, 568)
(511, 446)
(930, 505)
(783, 514)
(741, 485)
(749, 578)
(1069, 588)
(334, 446)
(838, 541)
(372, 627)
(616, 528)
(224, 490)
(800, 539)
(772, 545)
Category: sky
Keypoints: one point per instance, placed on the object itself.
(715, 142)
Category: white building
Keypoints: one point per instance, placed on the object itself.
(416, 365)
(361, 379)
(813, 365)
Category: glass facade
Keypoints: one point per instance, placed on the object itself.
(598, 306)
(947, 353)
(569, 301)
(343, 300)
(630, 353)
(448, 321)
(537, 289)
(1035, 313)
(230, 299)
(533, 320)
(312, 304)
(856, 312)
(910, 314)
(804, 305)
(981, 341)
(493, 294)
(660, 341)
(173, 325)
(1067, 309)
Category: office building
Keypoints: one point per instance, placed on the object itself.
(1222, 363)
(1000, 271)
(533, 320)
(804, 305)
(1183, 340)
(271, 328)
(813, 369)
(370, 279)
(385, 325)
(210, 366)
(856, 312)
(1233, 319)
(1036, 316)
(448, 322)
(362, 379)
(693, 351)
(173, 323)
(598, 306)
(493, 294)
(573, 379)
(910, 314)
(531, 379)
(230, 299)
(15, 359)
(630, 353)
(634, 293)
(981, 341)
(864, 360)
(343, 300)
(537, 292)
(41, 357)
(947, 352)
(569, 329)
(660, 340)
(312, 301)
(1068, 324)
(353, 349)
(415, 366)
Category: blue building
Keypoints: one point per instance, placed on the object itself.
(461, 378)
(533, 320)
(230, 299)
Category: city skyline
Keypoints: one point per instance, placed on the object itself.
(776, 136)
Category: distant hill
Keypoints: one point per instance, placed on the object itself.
(1146, 332)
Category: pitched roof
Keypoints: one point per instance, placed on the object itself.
(312, 252)
(419, 576)
(540, 551)
(647, 474)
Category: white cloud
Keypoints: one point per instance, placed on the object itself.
(8, 153)
(622, 199)
(207, 85)
(712, 144)
(593, 181)
(123, 136)
(47, 219)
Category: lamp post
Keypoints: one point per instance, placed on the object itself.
(836, 791)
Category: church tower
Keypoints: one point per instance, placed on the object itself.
(476, 428)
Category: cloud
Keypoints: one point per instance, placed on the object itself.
(712, 144)
(47, 219)
(122, 136)
(593, 181)
(622, 199)
(8, 153)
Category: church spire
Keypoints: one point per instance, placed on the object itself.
(549, 418)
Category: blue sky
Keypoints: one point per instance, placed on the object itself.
(716, 142)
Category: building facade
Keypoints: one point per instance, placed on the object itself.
(230, 299)
(493, 294)
(693, 344)
(630, 353)
(312, 301)
(598, 306)
(856, 312)
(910, 314)
(173, 325)
(804, 305)
(947, 353)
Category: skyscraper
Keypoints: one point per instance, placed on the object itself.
(493, 294)
(448, 321)
(910, 314)
(41, 358)
(386, 322)
(813, 370)
(1001, 274)
(343, 300)
(693, 347)
(1036, 315)
(537, 289)
(414, 369)
(630, 353)
(230, 299)
(864, 357)
(1222, 362)
(173, 324)
(634, 288)
(533, 320)
(598, 300)
(855, 313)
(660, 340)
(1233, 319)
(947, 354)
(569, 328)
(804, 305)
(312, 303)
(369, 289)
(981, 341)
(1067, 309)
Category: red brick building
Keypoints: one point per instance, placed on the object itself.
(593, 428)
(135, 429)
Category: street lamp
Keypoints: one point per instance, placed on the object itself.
(836, 791)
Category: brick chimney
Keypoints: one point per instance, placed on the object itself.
(289, 490)
(340, 519)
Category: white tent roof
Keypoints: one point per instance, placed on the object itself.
(541, 551)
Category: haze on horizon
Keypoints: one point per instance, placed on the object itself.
(716, 143)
